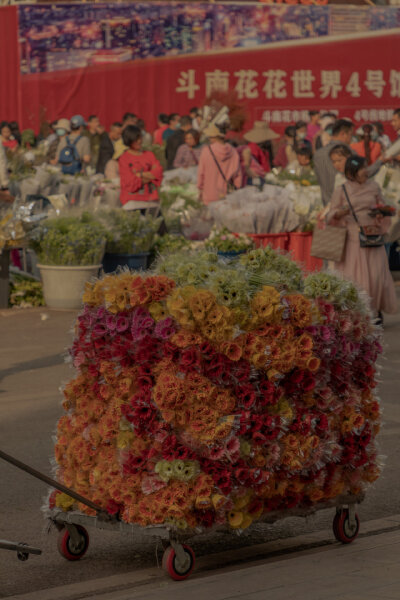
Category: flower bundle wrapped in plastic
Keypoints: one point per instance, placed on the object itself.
(223, 240)
(215, 399)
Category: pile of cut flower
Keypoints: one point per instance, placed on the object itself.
(212, 392)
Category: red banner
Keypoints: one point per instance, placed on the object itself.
(360, 78)
(9, 64)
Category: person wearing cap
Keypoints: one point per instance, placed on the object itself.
(219, 167)
(82, 143)
(61, 129)
(258, 151)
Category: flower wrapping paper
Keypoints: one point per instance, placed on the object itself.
(219, 401)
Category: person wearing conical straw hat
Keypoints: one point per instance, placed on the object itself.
(257, 155)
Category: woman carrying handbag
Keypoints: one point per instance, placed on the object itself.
(354, 207)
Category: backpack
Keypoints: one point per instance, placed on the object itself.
(69, 158)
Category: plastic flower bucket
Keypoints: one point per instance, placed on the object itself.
(300, 249)
(132, 261)
(63, 286)
(277, 241)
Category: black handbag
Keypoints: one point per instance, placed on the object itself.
(366, 240)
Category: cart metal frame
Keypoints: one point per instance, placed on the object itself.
(345, 524)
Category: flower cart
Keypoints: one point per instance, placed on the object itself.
(212, 395)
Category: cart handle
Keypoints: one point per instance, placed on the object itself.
(58, 486)
(19, 547)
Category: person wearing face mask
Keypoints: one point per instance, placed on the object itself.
(301, 134)
(367, 267)
(366, 146)
(61, 128)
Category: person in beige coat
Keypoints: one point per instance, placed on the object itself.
(367, 267)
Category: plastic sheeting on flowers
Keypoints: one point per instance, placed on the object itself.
(18, 221)
(180, 176)
(205, 396)
(250, 210)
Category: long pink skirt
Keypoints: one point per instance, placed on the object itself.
(369, 269)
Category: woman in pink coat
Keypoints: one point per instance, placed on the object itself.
(219, 165)
(368, 267)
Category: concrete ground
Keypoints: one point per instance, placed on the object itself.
(32, 368)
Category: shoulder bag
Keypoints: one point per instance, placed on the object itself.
(366, 241)
(329, 243)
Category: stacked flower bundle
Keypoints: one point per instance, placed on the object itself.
(217, 398)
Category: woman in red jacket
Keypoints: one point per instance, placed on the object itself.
(140, 172)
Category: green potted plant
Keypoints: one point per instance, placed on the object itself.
(70, 250)
(130, 238)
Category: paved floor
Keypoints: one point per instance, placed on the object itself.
(365, 570)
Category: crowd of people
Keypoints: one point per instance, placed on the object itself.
(344, 160)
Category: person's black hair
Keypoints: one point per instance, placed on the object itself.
(128, 115)
(396, 112)
(130, 135)
(341, 149)
(312, 113)
(353, 165)
(4, 124)
(186, 120)
(267, 147)
(300, 124)
(91, 117)
(366, 138)
(195, 134)
(163, 118)
(75, 127)
(141, 124)
(194, 109)
(13, 125)
(304, 150)
(341, 125)
(290, 131)
(172, 116)
(53, 124)
(116, 124)
(379, 127)
(223, 128)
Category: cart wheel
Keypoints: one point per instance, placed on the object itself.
(69, 548)
(21, 555)
(173, 567)
(342, 529)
